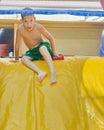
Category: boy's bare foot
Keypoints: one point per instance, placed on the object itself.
(41, 76)
(53, 78)
(53, 81)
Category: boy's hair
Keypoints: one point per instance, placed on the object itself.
(23, 15)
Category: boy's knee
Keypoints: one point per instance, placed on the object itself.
(24, 59)
(42, 49)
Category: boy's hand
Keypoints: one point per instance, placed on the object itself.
(58, 57)
(55, 54)
(14, 61)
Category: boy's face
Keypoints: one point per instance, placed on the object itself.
(28, 22)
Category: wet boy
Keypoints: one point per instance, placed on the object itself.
(32, 32)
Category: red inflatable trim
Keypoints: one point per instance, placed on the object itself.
(59, 57)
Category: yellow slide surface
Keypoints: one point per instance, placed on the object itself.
(75, 102)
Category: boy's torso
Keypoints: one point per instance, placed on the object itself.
(33, 38)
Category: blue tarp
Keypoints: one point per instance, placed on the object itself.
(52, 12)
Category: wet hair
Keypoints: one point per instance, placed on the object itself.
(23, 15)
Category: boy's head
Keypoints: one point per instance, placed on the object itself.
(23, 15)
(28, 20)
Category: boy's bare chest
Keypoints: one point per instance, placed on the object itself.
(31, 35)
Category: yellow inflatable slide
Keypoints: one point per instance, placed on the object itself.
(75, 102)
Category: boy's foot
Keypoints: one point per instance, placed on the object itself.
(53, 81)
(41, 76)
(53, 78)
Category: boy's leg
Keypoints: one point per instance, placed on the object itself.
(29, 63)
(47, 57)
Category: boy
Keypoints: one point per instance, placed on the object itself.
(32, 32)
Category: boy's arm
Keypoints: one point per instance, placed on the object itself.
(50, 38)
(17, 45)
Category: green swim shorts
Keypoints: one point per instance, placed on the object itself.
(34, 52)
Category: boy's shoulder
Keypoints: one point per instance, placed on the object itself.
(39, 26)
(20, 27)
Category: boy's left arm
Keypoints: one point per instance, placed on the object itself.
(50, 38)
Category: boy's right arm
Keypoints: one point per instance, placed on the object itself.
(17, 45)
